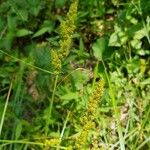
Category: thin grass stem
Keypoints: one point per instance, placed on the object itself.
(26, 63)
(51, 101)
(5, 108)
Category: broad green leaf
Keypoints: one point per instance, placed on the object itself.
(133, 66)
(114, 40)
(145, 82)
(99, 47)
(23, 14)
(140, 34)
(136, 44)
(23, 32)
(132, 19)
(42, 31)
(143, 52)
(70, 96)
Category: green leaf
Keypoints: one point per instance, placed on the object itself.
(114, 40)
(99, 47)
(18, 130)
(80, 78)
(145, 82)
(70, 96)
(42, 57)
(35, 6)
(23, 32)
(41, 31)
(11, 23)
(136, 44)
(143, 52)
(140, 34)
(23, 14)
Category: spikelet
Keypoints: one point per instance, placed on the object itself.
(94, 100)
(67, 28)
(56, 62)
(51, 143)
(89, 116)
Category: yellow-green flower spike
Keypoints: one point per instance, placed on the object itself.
(89, 116)
(51, 143)
(56, 62)
(67, 28)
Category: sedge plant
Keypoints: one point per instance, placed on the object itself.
(67, 28)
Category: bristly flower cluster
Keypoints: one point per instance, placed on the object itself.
(51, 143)
(56, 62)
(89, 116)
(67, 28)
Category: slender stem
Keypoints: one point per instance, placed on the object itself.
(3, 32)
(26, 63)
(53, 94)
(5, 108)
(25, 142)
(63, 79)
(141, 145)
(142, 127)
(63, 130)
(50, 106)
(62, 133)
(21, 142)
(131, 134)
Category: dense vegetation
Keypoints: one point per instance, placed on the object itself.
(74, 74)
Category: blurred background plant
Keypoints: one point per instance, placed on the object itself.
(111, 41)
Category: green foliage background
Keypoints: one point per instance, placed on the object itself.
(111, 41)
